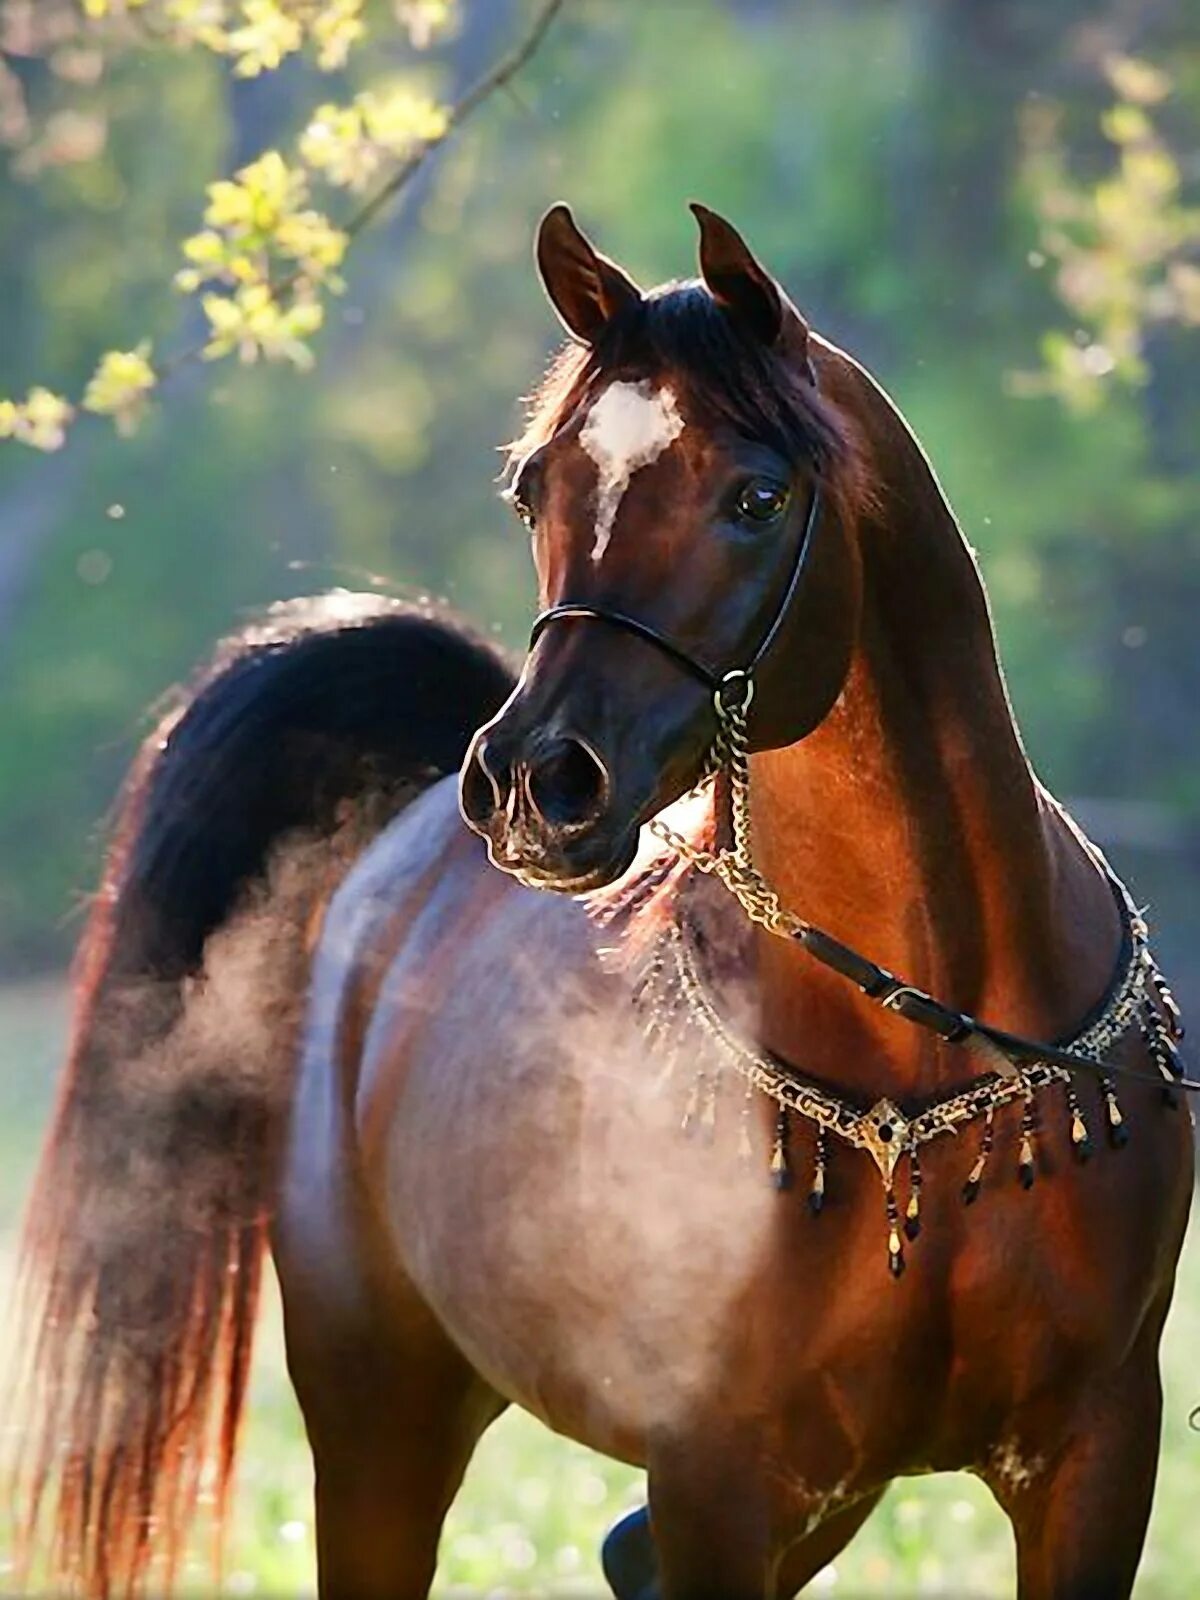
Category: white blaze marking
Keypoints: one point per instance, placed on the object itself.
(629, 427)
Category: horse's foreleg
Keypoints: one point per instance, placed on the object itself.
(803, 1559)
(715, 1518)
(1080, 1515)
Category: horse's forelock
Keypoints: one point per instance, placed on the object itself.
(679, 334)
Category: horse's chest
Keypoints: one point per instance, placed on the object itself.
(615, 1274)
(611, 1273)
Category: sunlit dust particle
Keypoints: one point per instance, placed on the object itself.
(93, 567)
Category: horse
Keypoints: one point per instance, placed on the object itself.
(536, 1105)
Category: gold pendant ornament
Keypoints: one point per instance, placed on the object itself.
(674, 1003)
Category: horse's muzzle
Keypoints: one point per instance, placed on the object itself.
(542, 802)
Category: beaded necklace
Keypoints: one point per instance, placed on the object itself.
(676, 1011)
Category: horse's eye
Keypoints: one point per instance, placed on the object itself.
(519, 499)
(762, 500)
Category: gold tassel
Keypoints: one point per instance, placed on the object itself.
(1081, 1141)
(670, 1061)
(745, 1143)
(970, 1189)
(692, 1109)
(895, 1248)
(816, 1193)
(708, 1113)
(895, 1253)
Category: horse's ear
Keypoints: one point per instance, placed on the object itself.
(584, 287)
(741, 286)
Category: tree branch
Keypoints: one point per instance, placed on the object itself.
(502, 73)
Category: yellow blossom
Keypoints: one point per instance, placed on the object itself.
(119, 386)
(402, 118)
(254, 323)
(333, 144)
(337, 26)
(257, 196)
(309, 238)
(40, 420)
(268, 34)
(424, 19)
(349, 144)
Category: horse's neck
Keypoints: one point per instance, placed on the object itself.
(910, 825)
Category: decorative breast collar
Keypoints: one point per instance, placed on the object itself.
(673, 1003)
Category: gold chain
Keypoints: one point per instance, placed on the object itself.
(734, 867)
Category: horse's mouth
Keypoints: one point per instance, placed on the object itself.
(557, 872)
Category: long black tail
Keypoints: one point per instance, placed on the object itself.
(145, 1235)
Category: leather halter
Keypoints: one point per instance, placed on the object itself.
(723, 682)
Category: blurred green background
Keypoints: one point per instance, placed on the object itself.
(888, 159)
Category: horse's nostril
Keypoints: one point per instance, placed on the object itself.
(483, 790)
(569, 784)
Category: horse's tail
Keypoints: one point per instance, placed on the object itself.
(145, 1237)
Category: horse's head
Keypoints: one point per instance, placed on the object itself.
(668, 478)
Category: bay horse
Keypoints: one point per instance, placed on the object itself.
(312, 1014)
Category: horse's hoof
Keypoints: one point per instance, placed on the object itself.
(627, 1556)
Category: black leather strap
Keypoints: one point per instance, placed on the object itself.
(619, 619)
(915, 1006)
(712, 677)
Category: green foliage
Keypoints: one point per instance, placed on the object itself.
(1124, 245)
(265, 249)
(894, 195)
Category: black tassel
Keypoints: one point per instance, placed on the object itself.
(1026, 1165)
(781, 1170)
(1169, 1004)
(1158, 1036)
(912, 1215)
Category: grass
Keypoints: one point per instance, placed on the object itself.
(534, 1507)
